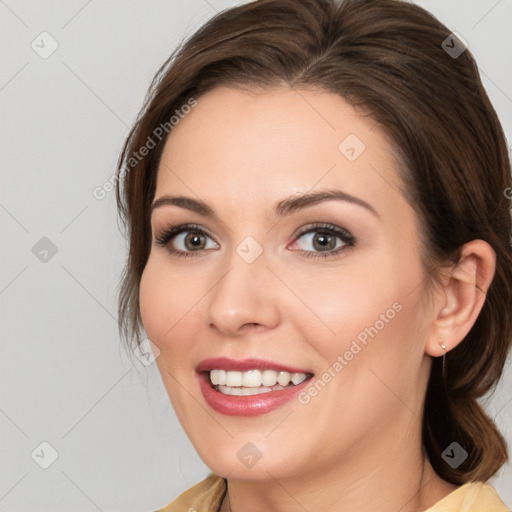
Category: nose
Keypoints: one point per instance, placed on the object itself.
(245, 298)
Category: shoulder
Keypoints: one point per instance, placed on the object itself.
(206, 496)
(471, 497)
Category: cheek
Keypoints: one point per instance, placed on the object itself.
(165, 298)
(376, 299)
(150, 300)
(351, 317)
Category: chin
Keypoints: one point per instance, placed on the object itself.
(243, 459)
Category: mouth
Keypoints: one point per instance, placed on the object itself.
(249, 387)
(254, 382)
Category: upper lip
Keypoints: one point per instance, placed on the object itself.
(242, 365)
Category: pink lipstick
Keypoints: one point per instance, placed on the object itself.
(249, 387)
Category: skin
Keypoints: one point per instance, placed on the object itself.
(357, 444)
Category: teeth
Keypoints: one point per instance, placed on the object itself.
(234, 378)
(255, 379)
(283, 378)
(218, 377)
(240, 391)
(269, 378)
(297, 378)
(251, 379)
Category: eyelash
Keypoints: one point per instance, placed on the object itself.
(167, 235)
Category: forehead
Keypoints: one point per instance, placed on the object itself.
(257, 146)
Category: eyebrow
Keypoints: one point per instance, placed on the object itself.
(283, 208)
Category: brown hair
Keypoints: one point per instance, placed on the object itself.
(385, 57)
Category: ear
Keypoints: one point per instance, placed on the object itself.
(462, 296)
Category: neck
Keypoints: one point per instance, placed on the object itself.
(369, 481)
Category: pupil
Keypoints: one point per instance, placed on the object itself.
(195, 240)
(324, 241)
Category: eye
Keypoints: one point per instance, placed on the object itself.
(185, 240)
(324, 240)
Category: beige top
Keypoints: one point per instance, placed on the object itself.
(207, 496)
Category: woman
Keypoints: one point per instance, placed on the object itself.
(315, 197)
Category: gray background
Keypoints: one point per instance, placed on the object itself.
(65, 380)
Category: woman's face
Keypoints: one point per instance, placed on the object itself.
(262, 284)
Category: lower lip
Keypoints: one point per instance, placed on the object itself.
(251, 405)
